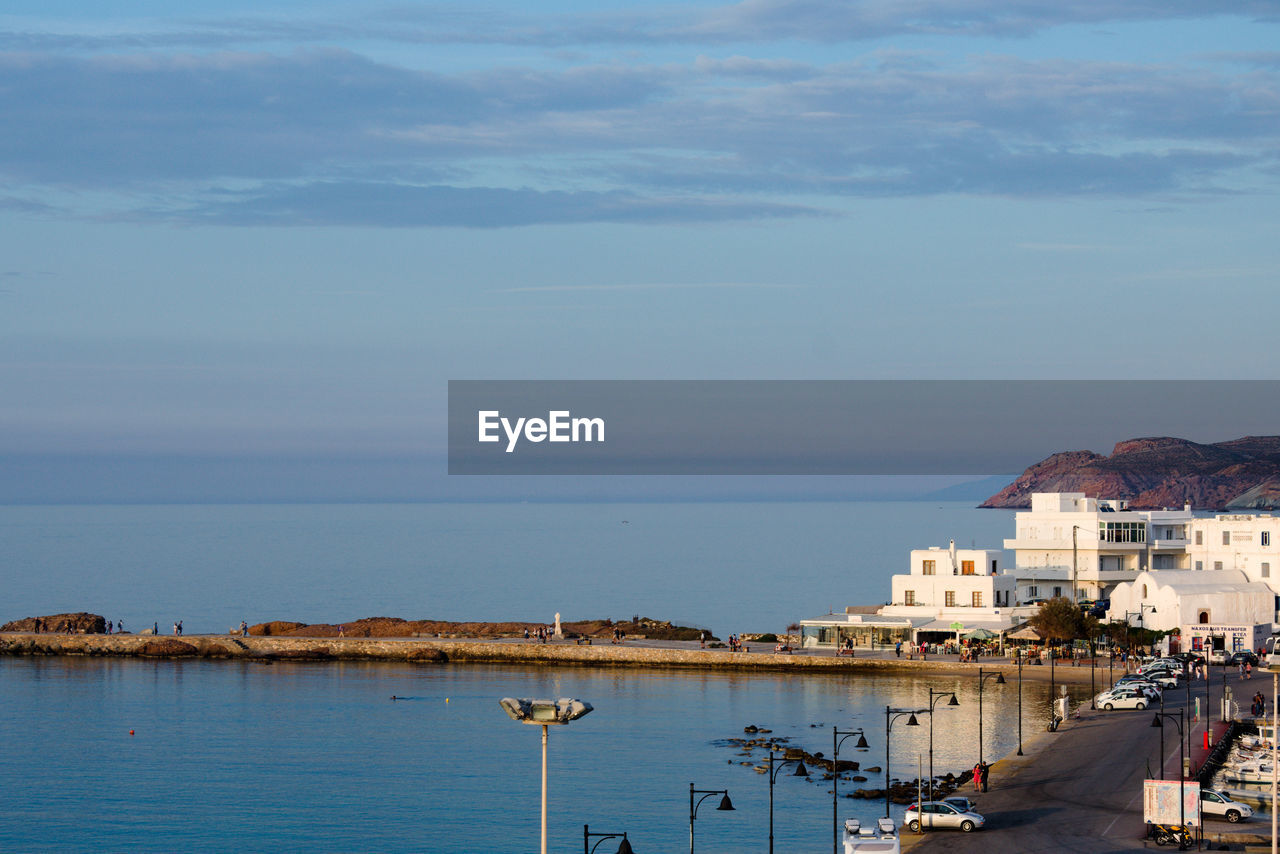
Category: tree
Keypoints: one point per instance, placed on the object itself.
(1059, 619)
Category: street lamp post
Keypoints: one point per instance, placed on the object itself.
(1158, 723)
(725, 804)
(544, 713)
(624, 848)
(982, 678)
(891, 715)
(934, 697)
(1093, 660)
(837, 739)
(801, 771)
(1019, 702)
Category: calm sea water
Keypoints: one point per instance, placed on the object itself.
(241, 756)
(730, 567)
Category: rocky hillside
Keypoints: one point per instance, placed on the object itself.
(1160, 472)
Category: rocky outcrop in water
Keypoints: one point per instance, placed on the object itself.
(1160, 472)
(71, 624)
(395, 627)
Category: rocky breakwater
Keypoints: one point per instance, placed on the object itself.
(220, 647)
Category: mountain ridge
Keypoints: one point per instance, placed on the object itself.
(1160, 471)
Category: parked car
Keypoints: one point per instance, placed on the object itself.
(962, 804)
(1220, 805)
(1193, 657)
(1242, 657)
(1148, 686)
(939, 814)
(1159, 678)
(1122, 698)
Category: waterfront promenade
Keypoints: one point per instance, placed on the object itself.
(1080, 789)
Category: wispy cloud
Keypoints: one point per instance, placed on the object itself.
(647, 286)
(328, 136)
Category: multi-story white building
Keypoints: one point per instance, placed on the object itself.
(1248, 542)
(1067, 539)
(953, 578)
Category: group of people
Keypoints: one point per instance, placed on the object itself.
(542, 634)
(117, 626)
(1259, 706)
(177, 628)
(735, 643)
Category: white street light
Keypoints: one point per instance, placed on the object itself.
(544, 713)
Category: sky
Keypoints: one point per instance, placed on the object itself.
(244, 247)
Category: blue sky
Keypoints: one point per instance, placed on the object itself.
(275, 230)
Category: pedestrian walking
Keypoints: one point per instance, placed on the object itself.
(897, 649)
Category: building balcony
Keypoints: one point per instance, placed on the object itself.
(1179, 544)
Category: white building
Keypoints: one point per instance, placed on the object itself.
(953, 578)
(1097, 542)
(1243, 541)
(1211, 610)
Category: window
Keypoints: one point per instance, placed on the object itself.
(966, 567)
(1265, 538)
(1199, 538)
(1266, 570)
(1217, 565)
(909, 598)
(977, 598)
(995, 565)
(1199, 566)
(1033, 592)
(1122, 532)
(1057, 591)
(951, 598)
(1204, 618)
(1226, 538)
(930, 567)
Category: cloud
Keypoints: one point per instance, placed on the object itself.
(394, 205)
(744, 22)
(330, 136)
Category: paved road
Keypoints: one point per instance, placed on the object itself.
(1079, 789)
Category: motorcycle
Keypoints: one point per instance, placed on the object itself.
(1171, 834)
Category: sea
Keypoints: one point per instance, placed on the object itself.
(133, 755)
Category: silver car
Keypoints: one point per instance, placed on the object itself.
(939, 814)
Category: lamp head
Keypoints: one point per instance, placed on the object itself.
(725, 803)
(1157, 723)
(801, 771)
(862, 742)
(625, 847)
(953, 701)
(1000, 679)
(911, 721)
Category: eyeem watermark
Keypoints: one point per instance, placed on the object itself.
(558, 426)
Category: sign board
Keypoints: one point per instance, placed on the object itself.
(1160, 801)
(955, 627)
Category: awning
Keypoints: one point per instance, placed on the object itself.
(1025, 633)
(980, 634)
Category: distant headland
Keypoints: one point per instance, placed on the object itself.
(1242, 474)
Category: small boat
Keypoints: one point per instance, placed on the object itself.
(1248, 772)
(881, 839)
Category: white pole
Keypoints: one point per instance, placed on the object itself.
(544, 790)
(1275, 718)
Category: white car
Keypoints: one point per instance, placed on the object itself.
(939, 814)
(1220, 805)
(1122, 698)
(1142, 686)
